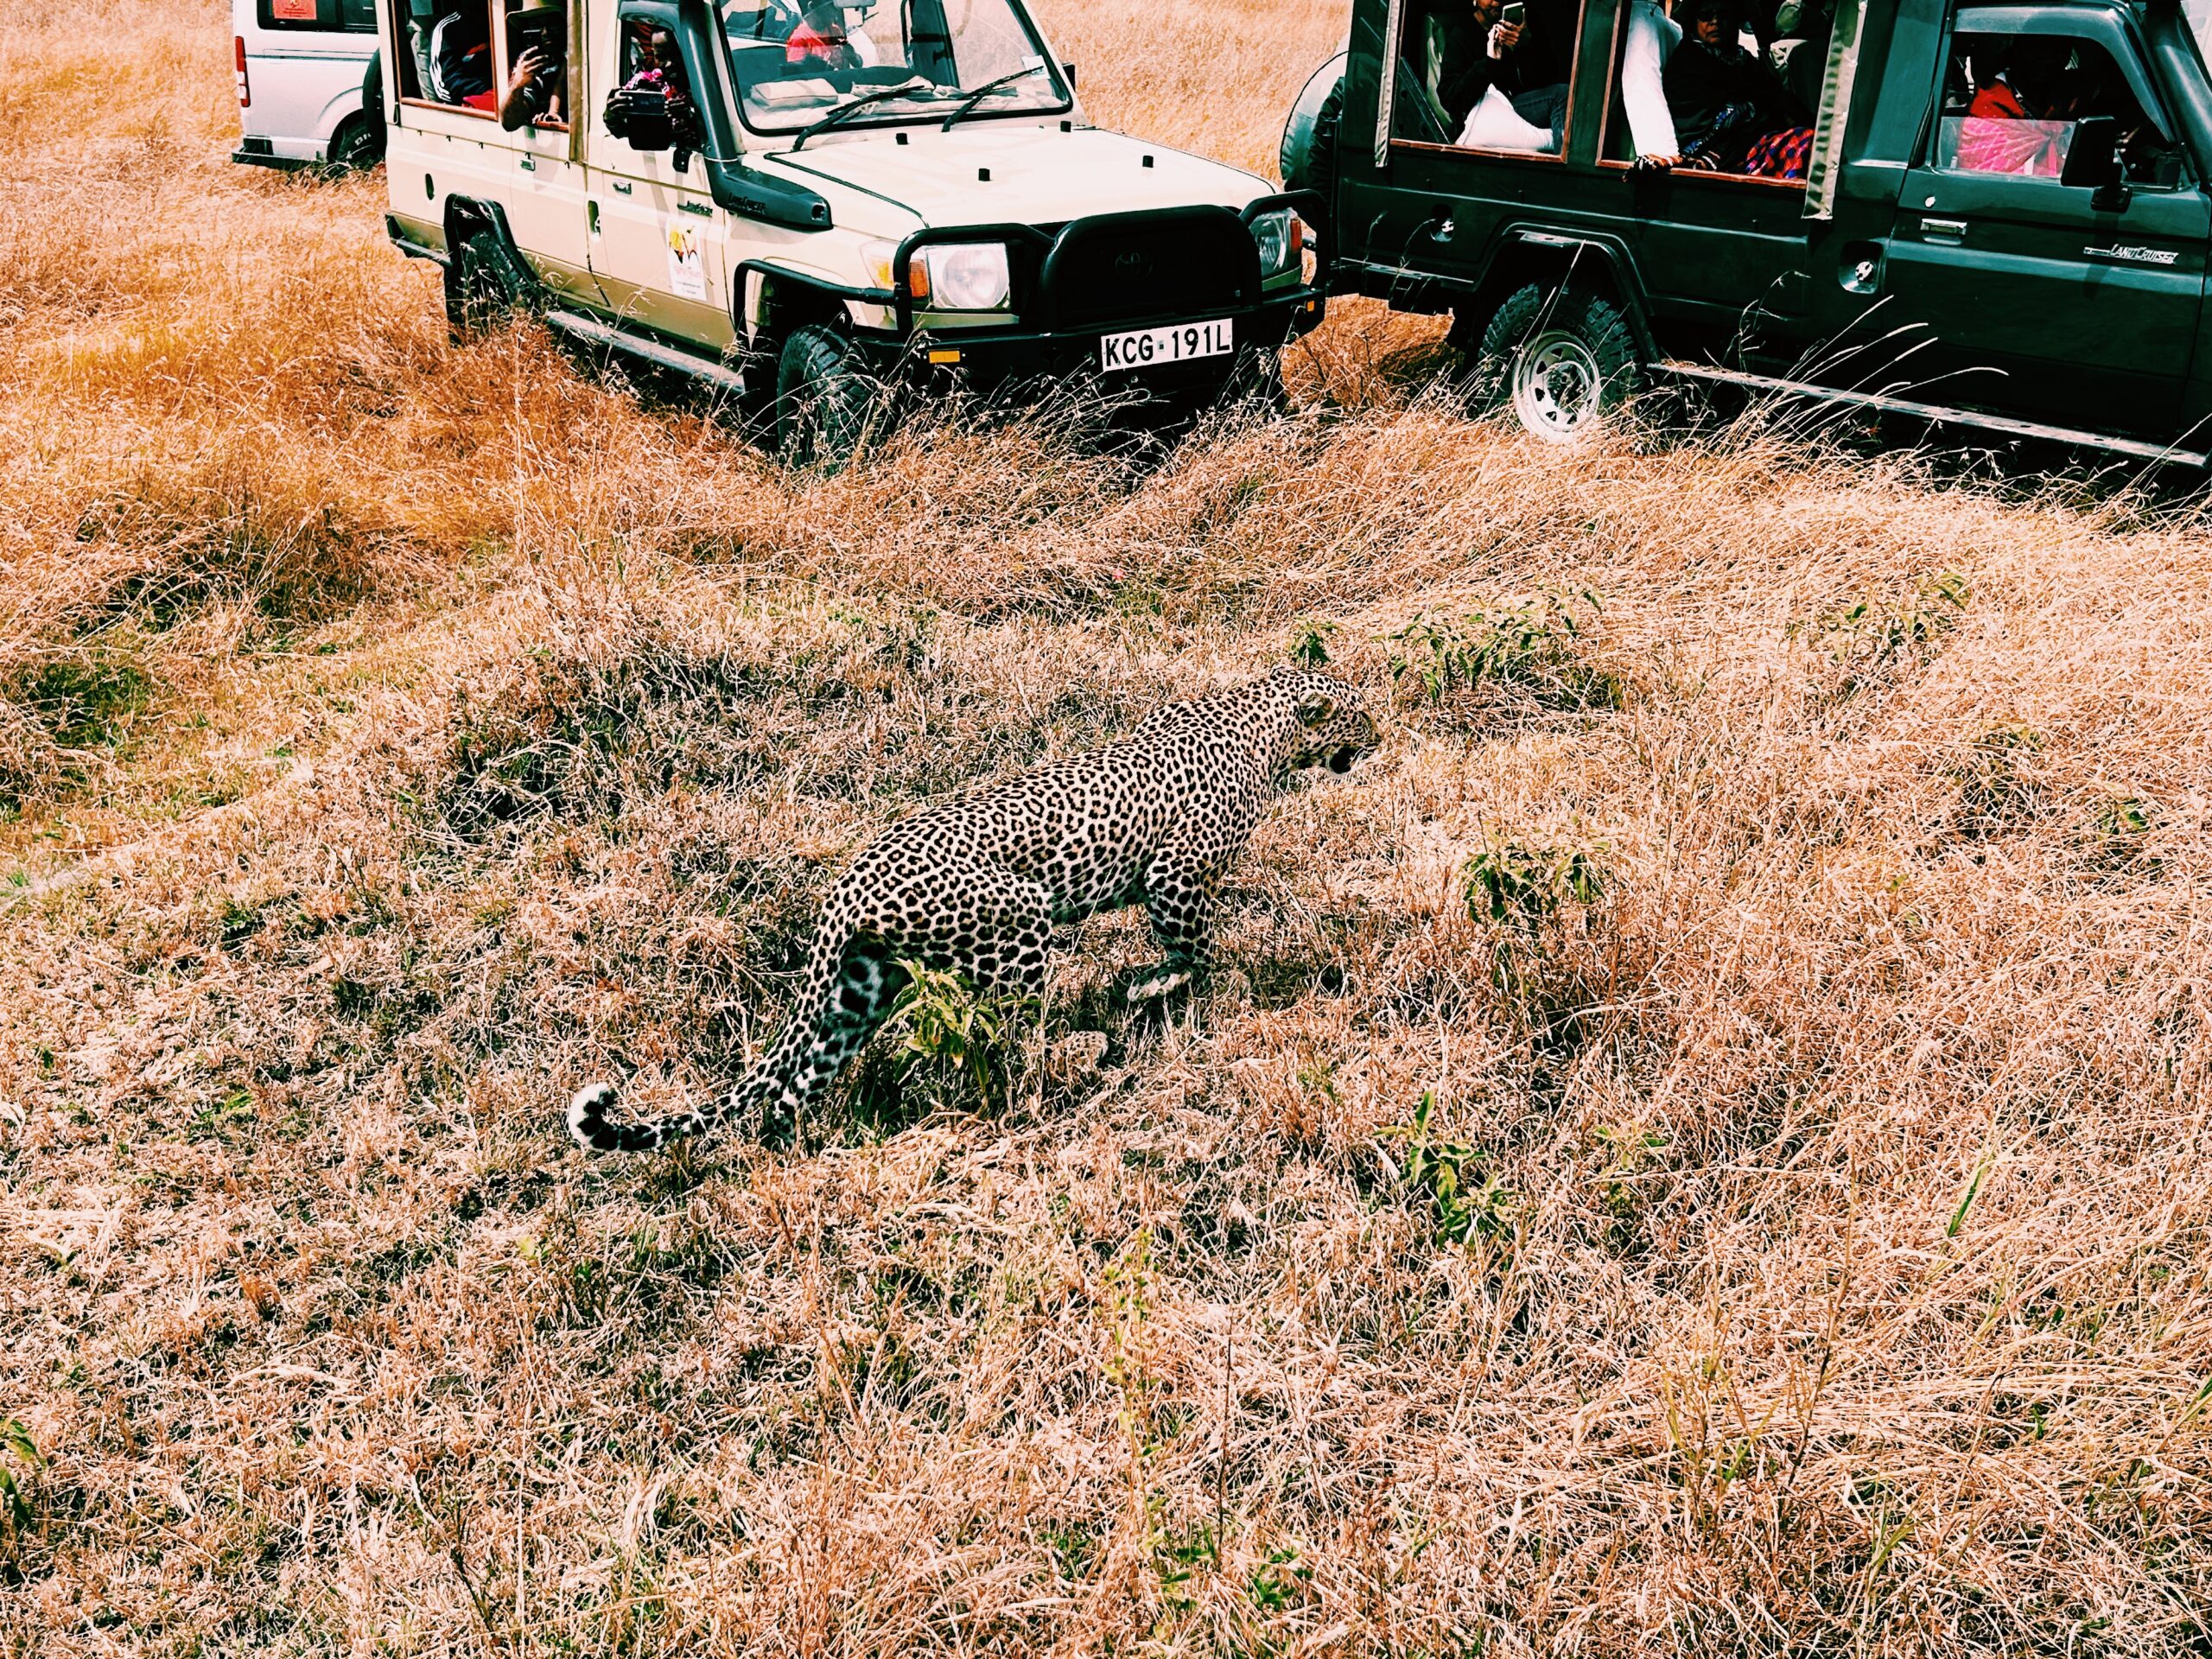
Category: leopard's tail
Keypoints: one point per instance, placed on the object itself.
(594, 1131)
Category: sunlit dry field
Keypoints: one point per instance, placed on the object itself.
(1771, 1216)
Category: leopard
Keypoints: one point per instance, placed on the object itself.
(978, 884)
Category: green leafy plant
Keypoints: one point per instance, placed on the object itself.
(1464, 1201)
(1279, 1580)
(1869, 635)
(940, 1021)
(1631, 1153)
(1516, 885)
(1530, 646)
(1309, 640)
(2122, 817)
(17, 1514)
(1994, 787)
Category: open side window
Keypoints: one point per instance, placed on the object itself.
(1721, 88)
(1487, 75)
(651, 107)
(2044, 95)
(448, 60)
(533, 46)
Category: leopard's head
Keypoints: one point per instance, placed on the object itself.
(1334, 727)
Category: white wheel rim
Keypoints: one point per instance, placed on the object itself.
(1557, 387)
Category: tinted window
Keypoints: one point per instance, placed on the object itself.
(333, 17)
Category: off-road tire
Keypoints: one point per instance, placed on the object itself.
(485, 284)
(356, 147)
(1561, 361)
(823, 399)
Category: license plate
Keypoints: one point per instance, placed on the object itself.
(1143, 347)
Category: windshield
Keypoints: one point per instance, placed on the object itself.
(2199, 13)
(796, 62)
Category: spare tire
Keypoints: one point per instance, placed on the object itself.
(1308, 154)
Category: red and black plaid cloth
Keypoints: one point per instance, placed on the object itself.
(1780, 155)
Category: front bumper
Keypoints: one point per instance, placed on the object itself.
(989, 360)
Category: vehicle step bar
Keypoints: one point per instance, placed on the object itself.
(592, 331)
(1936, 413)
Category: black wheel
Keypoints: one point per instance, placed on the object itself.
(355, 146)
(1562, 361)
(823, 399)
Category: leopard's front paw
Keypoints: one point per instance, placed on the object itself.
(1162, 981)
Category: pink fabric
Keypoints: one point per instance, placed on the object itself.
(2010, 144)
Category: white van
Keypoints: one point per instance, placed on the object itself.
(304, 70)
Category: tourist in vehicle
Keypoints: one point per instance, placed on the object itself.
(1732, 112)
(460, 56)
(2020, 119)
(1532, 57)
(1652, 37)
(532, 92)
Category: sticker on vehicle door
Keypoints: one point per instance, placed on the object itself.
(687, 263)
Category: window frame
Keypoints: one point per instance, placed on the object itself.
(1613, 59)
(1394, 55)
(400, 14)
(505, 7)
(2129, 53)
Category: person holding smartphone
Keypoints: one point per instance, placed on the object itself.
(1529, 45)
(532, 91)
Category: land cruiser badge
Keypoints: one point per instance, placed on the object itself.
(2138, 255)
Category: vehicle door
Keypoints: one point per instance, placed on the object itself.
(546, 197)
(657, 243)
(2050, 235)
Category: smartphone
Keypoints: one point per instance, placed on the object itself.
(1514, 15)
(543, 27)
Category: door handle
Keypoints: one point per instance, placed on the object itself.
(1952, 232)
(623, 187)
(591, 217)
(528, 162)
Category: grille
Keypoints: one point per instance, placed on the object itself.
(1125, 267)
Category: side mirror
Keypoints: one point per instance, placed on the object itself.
(1068, 69)
(2093, 164)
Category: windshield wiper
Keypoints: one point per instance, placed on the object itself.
(984, 91)
(837, 117)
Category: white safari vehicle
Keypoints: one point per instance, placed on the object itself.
(305, 82)
(804, 200)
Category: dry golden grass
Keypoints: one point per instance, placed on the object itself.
(394, 735)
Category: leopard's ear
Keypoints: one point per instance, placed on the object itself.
(1316, 709)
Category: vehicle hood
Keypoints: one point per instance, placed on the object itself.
(1038, 174)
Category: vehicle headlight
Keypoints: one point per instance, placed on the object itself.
(879, 258)
(963, 275)
(1281, 238)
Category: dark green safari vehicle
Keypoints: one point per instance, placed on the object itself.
(1990, 214)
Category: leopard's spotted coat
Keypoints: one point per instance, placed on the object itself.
(976, 884)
